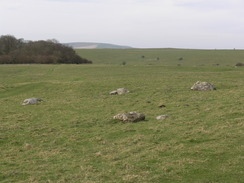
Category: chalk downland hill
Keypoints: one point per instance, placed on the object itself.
(90, 45)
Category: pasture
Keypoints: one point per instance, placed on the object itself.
(72, 137)
(164, 57)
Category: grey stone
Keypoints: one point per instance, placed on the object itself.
(203, 86)
(119, 91)
(130, 117)
(162, 117)
(31, 101)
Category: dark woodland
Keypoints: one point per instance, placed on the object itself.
(19, 51)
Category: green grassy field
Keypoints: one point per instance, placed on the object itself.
(72, 136)
(164, 57)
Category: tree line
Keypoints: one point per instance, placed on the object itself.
(19, 51)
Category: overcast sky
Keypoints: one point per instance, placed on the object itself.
(206, 24)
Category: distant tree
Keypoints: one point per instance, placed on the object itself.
(9, 43)
(53, 40)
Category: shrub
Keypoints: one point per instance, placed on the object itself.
(239, 64)
(181, 58)
(123, 63)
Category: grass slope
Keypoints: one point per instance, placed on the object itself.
(71, 136)
(164, 57)
(91, 45)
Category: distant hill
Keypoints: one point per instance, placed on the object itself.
(90, 45)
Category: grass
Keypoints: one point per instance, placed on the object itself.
(165, 57)
(72, 137)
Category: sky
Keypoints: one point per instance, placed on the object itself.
(197, 24)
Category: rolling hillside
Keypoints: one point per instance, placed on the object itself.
(91, 45)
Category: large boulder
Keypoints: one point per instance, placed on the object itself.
(119, 91)
(130, 117)
(31, 101)
(203, 86)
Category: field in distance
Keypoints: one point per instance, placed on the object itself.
(72, 137)
(166, 57)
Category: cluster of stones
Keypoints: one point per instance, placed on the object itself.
(135, 116)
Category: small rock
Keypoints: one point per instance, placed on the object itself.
(162, 117)
(31, 101)
(121, 91)
(130, 117)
